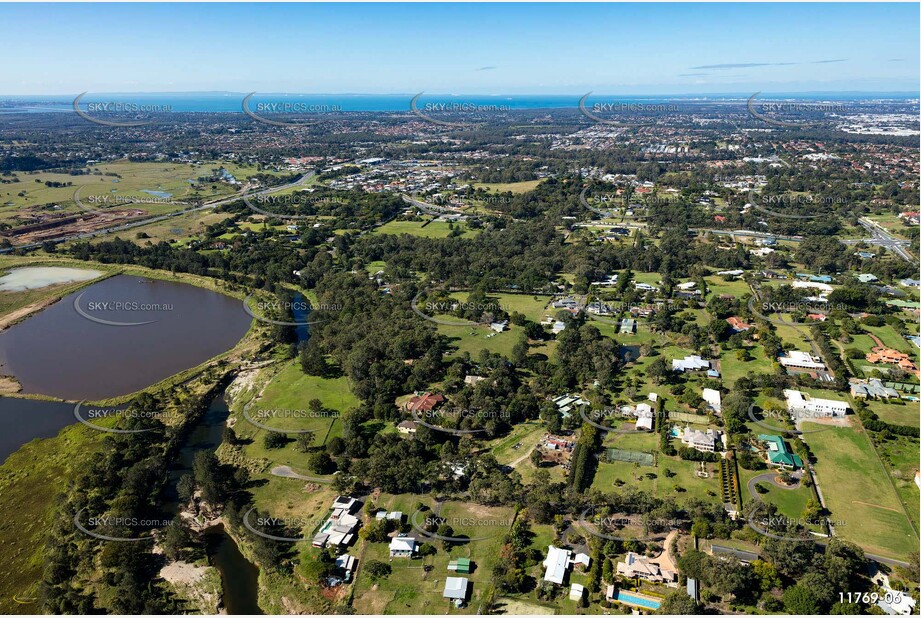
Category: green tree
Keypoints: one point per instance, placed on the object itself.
(799, 600)
(678, 603)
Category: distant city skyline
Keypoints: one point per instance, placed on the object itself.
(499, 49)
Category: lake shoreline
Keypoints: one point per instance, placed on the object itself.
(247, 343)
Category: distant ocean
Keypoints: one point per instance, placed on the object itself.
(232, 102)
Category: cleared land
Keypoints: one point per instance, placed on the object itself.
(858, 492)
(515, 187)
(436, 229)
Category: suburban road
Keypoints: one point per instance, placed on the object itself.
(141, 222)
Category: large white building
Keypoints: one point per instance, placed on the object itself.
(800, 404)
(700, 440)
(801, 360)
(556, 564)
(690, 363)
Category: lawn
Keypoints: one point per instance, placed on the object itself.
(797, 336)
(892, 339)
(900, 455)
(436, 229)
(413, 589)
(897, 412)
(717, 285)
(679, 482)
(789, 502)
(733, 368)
(473, 338)
(858, 492)
(285, 404)
(293, 389)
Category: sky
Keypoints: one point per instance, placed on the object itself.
(685, 48)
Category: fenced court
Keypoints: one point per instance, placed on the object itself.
(686, 417)
(644, 459)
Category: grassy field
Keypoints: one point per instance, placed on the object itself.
(122, 180)
(900, 455)
(670, 477)
(284, 404)
(437, 229)
(413, 589)
(794, 335)
(858, 492)
(891, 338)
(717, 285)
(180, 229)
(30, 479)
(733, 368)
(892, 223)
(790, 502)
(473, 338)
(291, 388)
(502, 187)
(897, 412)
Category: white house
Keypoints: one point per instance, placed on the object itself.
(643, 414)
(407, 427)
(499, 327)
(700, 440)
(556, 564)
(800, 404)
(339, 529)
(402, 547)
(690, 363)
(898, 604)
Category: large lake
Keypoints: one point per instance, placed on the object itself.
(124, 334)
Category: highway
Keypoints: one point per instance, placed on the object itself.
(880, 237)
(430, 209)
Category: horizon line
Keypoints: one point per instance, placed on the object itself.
(739, 93)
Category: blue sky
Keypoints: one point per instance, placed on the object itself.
(460, 48)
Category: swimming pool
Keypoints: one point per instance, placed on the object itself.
(641, 601)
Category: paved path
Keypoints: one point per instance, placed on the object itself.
(288, 472)
(770, 477)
